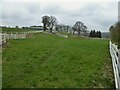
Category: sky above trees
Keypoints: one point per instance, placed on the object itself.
(95, 15)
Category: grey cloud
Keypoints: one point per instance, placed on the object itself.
(52, 10)
(33, 8)
(94, 15)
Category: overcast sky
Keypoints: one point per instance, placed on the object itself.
(95, 15)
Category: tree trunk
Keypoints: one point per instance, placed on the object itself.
(73, 31)
(44, 27)
(78, 32)
(67, 29)
(50, 30)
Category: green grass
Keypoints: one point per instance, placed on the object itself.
(65, 33)
(51, 61)
(14, 30)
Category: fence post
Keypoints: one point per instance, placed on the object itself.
(3, 39)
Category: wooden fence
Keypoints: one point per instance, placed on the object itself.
(115, 55)
(20, 35)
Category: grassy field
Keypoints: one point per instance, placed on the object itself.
(14, 30)
(51, 61)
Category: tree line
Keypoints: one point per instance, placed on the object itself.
(115, 33)
(50, 22)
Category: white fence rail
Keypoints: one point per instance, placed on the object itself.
(20, 35)
(115, 55)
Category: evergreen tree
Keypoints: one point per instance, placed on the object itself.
(93, 33)
(99, 34)
(90, 34)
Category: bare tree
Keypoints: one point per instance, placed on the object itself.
(62, 27)
(59, 27)
(85, 31)
(79, 27)
(52, 22)
(45, 21)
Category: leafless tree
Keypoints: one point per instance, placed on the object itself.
(79, 27)
(45, 21)
(52, 22)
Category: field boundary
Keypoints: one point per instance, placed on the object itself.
(17, 35)
(115, 55)
(21, 35)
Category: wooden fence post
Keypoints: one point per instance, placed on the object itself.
(3, 39)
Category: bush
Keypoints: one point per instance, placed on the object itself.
(115, 33)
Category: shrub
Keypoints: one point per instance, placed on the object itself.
(115, 33)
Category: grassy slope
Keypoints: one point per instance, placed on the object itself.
(51, 61)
